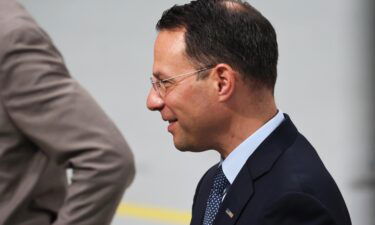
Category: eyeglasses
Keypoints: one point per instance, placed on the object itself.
(161, 86)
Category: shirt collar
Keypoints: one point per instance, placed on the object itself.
(238, 157)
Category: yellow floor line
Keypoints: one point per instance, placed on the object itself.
(170, 216)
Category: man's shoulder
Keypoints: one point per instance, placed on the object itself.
(300, 169)
(14, 19)
(18, 29)
(301, 156)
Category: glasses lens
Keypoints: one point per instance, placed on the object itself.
(161, 88)
(158, 86)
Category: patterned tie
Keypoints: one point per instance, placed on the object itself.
(215, 197)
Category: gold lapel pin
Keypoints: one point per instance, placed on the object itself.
(229, 213)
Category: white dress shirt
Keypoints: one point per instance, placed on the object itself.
(238, 157)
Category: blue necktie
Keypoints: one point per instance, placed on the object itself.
(216, 196)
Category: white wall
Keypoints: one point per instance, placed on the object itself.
(324, 85)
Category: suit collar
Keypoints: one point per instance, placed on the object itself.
(238, 157)
(273, 146)
(258, 164)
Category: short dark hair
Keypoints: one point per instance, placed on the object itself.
(227, 31)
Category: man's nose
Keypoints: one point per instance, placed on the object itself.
(154, 101)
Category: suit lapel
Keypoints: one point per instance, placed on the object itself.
(239, 194)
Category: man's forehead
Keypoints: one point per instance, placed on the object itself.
(170, 40)
(169, 52)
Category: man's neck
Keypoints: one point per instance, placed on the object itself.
(240, 129)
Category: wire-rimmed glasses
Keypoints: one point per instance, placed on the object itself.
(161, 86)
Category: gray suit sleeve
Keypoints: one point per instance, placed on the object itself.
(62, 119)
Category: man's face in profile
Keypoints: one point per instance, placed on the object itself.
(186, 102)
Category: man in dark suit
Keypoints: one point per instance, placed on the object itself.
(49, 123)
(214, 72)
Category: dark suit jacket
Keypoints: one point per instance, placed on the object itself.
(284, 182)
(48, 123)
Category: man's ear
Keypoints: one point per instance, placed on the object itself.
(224, 80)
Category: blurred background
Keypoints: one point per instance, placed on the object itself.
(325, 84)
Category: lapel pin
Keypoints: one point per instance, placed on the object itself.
(229, 213)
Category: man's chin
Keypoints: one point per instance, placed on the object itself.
(188, 147)
(181, 147)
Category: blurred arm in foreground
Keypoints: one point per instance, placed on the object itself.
(49, 123)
